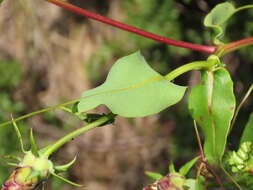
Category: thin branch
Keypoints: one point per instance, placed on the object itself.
(199, 140)
(227, 48)
(39, 112)
(122, 26)
(240, 105)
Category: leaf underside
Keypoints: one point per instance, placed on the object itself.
(217, 18)
(212, 105)
(132, 89)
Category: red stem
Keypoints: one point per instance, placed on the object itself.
(236, 45)
(83, 12)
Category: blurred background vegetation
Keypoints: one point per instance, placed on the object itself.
(49, 55)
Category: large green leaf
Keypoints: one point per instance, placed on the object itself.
(212, 105)
(132, 89)
(248, 131)
(217, 18)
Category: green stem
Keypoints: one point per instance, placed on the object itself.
(243, 7)
(197, 65)
(38, 112)
(76, 133)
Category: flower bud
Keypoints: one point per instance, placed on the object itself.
(31, 171)
(20, 180)
(173, 181)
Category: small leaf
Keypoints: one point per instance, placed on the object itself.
(33, 144)
(19, 136)
(186, 167)
(153, 175)
(217, 18)
(172, 167)
(65, 167)
(133, 89)
(212, 105)
(11, 157)
(66, 180)
(248, 131)
(13, 164)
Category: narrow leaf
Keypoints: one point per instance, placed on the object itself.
(172, 167)
(19, 136)
(133, 89)
(13, 164)
(248, 131)
(217, 18)
(16, 158)
(212, 105)
(153, 175)
(186, 167)
(33, 144)
(66, 180)
(65, 167)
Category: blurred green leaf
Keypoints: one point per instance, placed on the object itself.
(187, 166)
(217, 18)
(212, 105)
(10, 72)
(133, 89)
(195, 184)
(153, 175)
(248, 131)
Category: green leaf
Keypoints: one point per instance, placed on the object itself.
(186, 167)
(153, 175)
(33, 144)
(248, 131)
(195, 184)
(19, 136)
(65, 167)
(133, 89)
(217, 18)
(212, 105)
(66, 180)
(172, 167)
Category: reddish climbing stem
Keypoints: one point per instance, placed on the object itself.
(226, 48)
(114, 23)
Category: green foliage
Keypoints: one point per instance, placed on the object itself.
(153, 175)
(184, 170)
(176, 179)
(144, 14)
(217, 18)
(133, 89)
(241, 161)
(248, 131)
(11, 73)
(212, 105)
